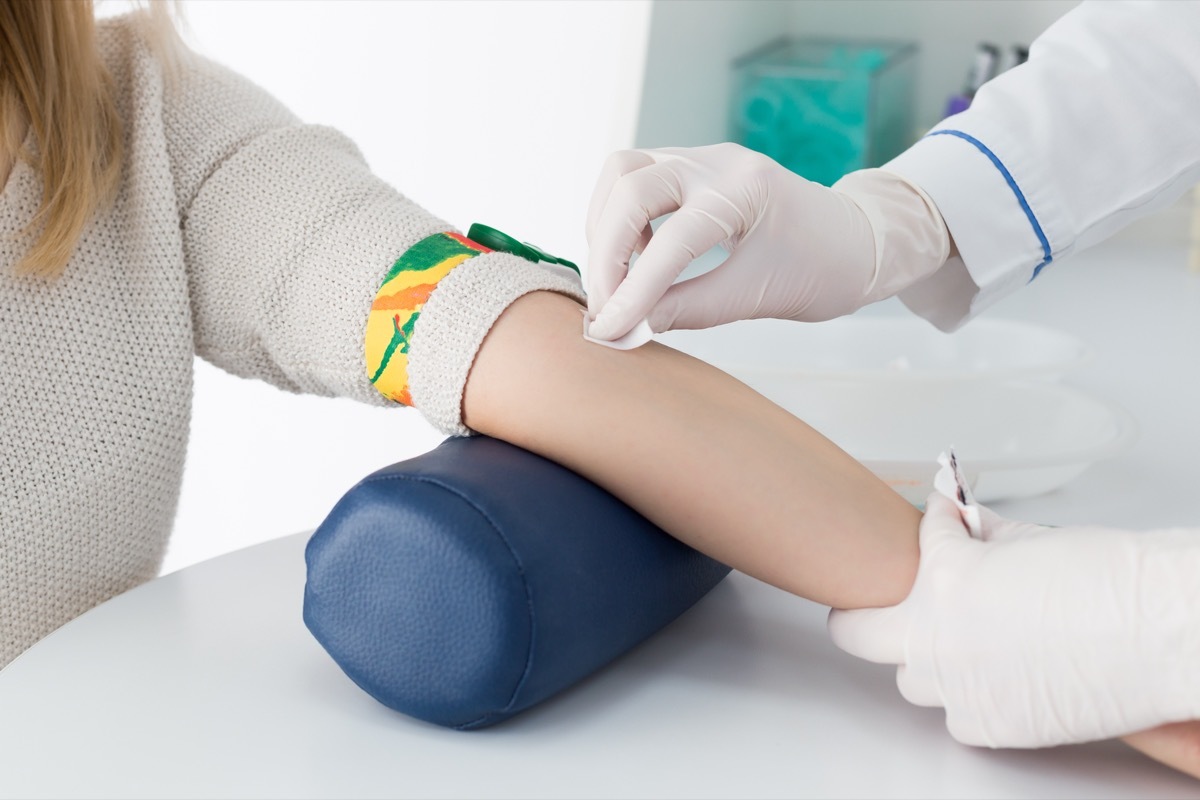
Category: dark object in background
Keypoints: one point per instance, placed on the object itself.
(987, 65)
(472, 582)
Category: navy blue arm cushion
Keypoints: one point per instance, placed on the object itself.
(470, 583)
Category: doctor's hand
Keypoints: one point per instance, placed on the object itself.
(1034, 636)
(798, 250)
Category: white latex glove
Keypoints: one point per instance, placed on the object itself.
(798, 250)
(1035, 636)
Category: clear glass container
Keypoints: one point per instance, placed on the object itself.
(825, 107)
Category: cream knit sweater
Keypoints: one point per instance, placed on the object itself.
(239, 235)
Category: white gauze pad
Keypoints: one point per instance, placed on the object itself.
(637, 337)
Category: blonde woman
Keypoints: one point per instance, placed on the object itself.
(156, 207)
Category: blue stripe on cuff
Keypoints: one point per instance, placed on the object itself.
(1012, 184)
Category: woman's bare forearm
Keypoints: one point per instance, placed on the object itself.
(713, 463)
(703, 456)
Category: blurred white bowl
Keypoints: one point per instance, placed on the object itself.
(899, 348)
(1014, 439)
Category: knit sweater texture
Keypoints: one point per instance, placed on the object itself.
(238, 234)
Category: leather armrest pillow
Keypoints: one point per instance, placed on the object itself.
(472, 582)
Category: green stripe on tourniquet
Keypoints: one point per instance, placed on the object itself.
(401, 337)
(427, 253)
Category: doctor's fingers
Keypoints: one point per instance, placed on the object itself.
(691, 231)
(620, 227)
(881, 635)
(723, 294)
(872, 634)
(918, 685)
(941, 526)
(995, 528)
(616, 166)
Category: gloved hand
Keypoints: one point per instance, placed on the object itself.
(1035, 636)
(798, 250)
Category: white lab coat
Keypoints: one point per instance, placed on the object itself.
(1099, 127)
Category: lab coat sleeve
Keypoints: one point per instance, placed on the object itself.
(1099, 127)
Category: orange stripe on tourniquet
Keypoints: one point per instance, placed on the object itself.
(405, 299)
(465, 242)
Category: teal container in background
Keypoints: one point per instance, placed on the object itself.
(825, 107)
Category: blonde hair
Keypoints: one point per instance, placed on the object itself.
(53, 81)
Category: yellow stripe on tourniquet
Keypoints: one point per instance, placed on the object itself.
(397, 305)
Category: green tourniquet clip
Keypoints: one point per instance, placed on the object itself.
(499, 240)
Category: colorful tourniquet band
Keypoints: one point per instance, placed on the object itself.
(398, 304)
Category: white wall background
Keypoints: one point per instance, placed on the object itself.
(496, 112)
(688, 81)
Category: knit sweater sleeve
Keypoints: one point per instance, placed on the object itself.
(287, 236)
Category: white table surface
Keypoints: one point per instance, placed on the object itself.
(205, 683)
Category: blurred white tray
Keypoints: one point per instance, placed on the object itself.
(1014, 438)
(902, 348)
(895, 392)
